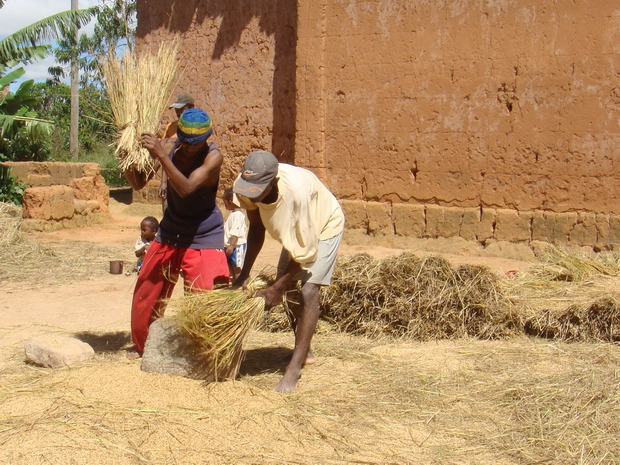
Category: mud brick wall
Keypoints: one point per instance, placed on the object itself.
(61, 195)
(600, 231)
(508, 108)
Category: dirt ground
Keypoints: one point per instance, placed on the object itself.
(364, 401)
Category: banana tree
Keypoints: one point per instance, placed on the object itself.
(16, 108)
(31, 42)
(25, 46)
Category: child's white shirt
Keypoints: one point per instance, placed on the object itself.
(235, 226)
(140, 243)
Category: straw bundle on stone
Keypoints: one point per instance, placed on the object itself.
(139, 88)
(217, 323)
(414, 297)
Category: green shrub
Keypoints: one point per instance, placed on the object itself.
(11, 188)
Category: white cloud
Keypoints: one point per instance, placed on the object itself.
(38, 70)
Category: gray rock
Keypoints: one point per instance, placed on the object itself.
(168, 350)
(55, 351)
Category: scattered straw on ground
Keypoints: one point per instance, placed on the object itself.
(367, 400)
(374, 402)
(25, 260)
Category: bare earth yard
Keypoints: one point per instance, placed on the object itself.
(365, 401)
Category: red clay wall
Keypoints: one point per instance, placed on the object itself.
(426, 118)
(503, 104)
(237, 58)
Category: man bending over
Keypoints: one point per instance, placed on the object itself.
(304, 216)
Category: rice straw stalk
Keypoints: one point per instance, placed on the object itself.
(139, 88)
(217, 323)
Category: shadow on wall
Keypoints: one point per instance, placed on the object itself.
(276, 17)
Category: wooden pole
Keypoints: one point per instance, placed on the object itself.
(75, 102)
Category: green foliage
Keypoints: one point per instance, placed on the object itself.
(11, 189)
(95, 130)
(25, 136)
(16, 109)
(116, 25)
(17, 117)
(22, 133)
(115, 28)
(29, 43)
(23, 148)
(103, 154)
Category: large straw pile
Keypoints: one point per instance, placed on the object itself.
(217, 323)
(421, 298)
(139, 88)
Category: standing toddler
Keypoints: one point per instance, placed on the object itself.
(148, 231)
(235, 234)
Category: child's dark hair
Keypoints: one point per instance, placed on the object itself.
(152, 221)
(228, 194)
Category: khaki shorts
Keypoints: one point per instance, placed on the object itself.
(322, 269)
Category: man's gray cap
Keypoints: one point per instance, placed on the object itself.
(182, 100)
(259, 169)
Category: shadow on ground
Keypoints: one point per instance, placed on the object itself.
(263, 360)
(105, 342)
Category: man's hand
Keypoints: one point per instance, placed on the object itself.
(272, 296)
(230, 249)
(162, 190)
(152, 144)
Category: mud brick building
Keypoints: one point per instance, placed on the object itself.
(485, 119)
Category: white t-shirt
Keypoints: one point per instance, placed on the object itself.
(235, 226)
(305, 213)
(140, 243)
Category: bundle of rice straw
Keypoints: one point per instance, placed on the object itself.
(217, 322)
(139, 88)
(572, 296)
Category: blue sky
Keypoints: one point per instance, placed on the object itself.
(17, 14)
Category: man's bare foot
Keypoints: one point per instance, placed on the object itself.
(288, 382)
(132, 355)
(284, 361)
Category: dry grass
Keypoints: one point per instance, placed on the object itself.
(10, 222)
(139, 88)
(569, 296)
(379, 400)
(417, 298)
(372, 402)
(217, 322)
(25, 260)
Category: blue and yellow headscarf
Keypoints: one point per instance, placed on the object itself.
(194, 127)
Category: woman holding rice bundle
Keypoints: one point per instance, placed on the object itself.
(191, 233)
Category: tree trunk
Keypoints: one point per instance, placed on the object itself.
(75, 104)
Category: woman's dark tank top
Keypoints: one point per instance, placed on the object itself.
(195, 221)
